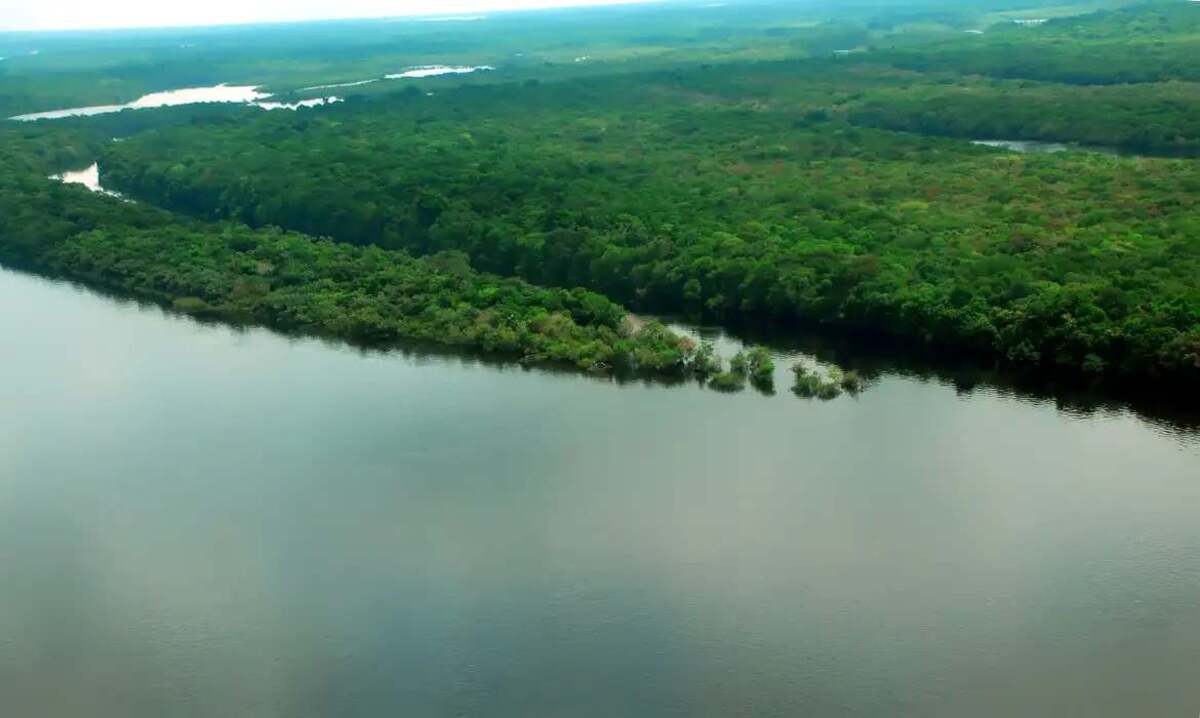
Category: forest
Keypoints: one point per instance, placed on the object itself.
(288, 281)
(1153, 42)
(46, 71)
(780, 177)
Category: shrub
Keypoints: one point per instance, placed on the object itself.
(706, 362)
(728, 381)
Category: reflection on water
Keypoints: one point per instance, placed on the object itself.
(314, 102)
(244, 94)
(196, 519)
(438, 70)
(1034, 147)
(186, 96)
(88, 177)
(194, 95)
(874, 358)
(1023, 146)
(419, 71)
(339, 84)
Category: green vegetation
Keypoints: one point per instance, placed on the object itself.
(713, 192)
(740, 364)
(767, 164)
(754, 364)
(73, 69)
(851, 382)
(760, 368)
(47, 71)
(1152, 118)
(705, 362)
(293, 282)
(1148, 42)
(810, 385)
(728, 381)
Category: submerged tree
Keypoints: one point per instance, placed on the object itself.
(810, 385)
(852, 383)
(761, 368)
(706, 362)
(740, 363)
(728, 381)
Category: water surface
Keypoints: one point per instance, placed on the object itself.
(314, 102)
(1036, 147)
(241, 94)
(196, 520)
(419, 71)
(88, 177)
(438, 70)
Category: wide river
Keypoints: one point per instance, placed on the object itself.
(201, 521)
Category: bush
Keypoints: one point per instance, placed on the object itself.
(761, 367)
(740, 363)
(851, 382)
(809, 385)
(706, 362)
(728, 381)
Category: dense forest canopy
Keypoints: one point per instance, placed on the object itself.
(294, 282)
(807, 164)
(45, 71)
(1155, 42)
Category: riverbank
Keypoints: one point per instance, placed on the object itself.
(224, 514)
(1074, 262)
(292, 282)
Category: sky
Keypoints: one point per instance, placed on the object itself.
(91, 14)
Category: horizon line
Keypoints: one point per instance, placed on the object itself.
(419, 16)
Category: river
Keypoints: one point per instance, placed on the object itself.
(1038, 148)
(244, 94)
(239, 94)
(201, 520)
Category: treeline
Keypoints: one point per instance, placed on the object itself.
(294, 282)
(728, 204)
(738, 191)
(1157, 118)
(1154, 42)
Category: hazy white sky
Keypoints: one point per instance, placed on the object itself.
(82, 14)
